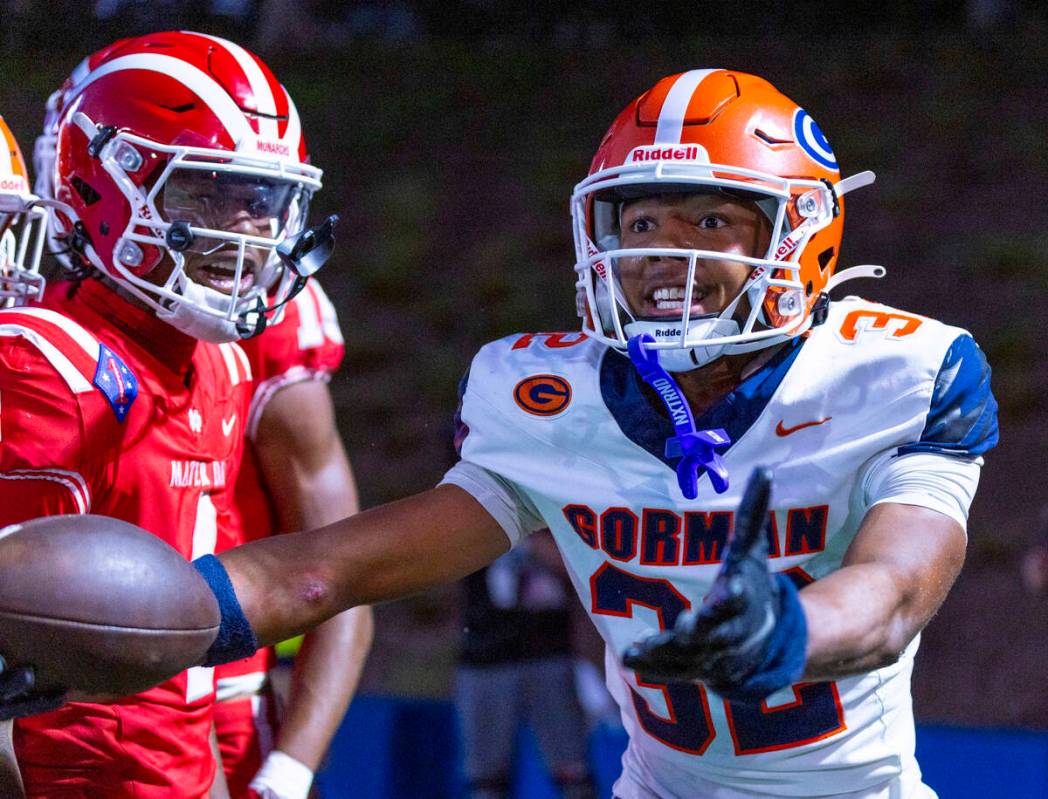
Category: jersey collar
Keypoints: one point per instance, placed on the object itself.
(643, 419)
(171, 349)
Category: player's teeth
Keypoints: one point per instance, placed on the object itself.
(669, 305)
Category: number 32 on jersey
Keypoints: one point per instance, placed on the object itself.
(815, 713)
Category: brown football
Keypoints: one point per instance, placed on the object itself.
(99, 606)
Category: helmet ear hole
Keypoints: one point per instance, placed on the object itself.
(85, 190)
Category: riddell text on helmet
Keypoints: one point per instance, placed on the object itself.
(691, 152)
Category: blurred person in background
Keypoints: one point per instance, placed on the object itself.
(1034, 567)
(516, 666)
(295, 475)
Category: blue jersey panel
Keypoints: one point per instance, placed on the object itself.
(962, 419)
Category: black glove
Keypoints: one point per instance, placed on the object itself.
(17, 697)
(748, 638)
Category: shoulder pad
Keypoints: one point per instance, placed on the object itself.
(83, 363)
(314, 317)
(962, 416)
(306, 342)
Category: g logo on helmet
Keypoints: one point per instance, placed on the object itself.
(543, 395)
(812, 140)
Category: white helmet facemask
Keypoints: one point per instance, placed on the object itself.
(181, 214)
(684, 341)
(23, 229)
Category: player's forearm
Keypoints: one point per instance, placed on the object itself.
(322, 491)
(896, 574)
(327, 671)
(856, 622)
(291, 583)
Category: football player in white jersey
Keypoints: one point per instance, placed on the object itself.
(774, 661)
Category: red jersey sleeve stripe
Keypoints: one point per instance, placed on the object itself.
(77, 346)
(77, 376)
(72, 481)
(83, 339)
(310, 328)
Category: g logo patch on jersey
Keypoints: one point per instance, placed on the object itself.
(543, 395)
(812, 140)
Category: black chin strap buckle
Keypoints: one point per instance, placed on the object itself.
(105, 133)
(252, 323)
(306, 252)
(820, 309)
(303, 255)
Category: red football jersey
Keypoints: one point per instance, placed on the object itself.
(306, 344)
(106, 409)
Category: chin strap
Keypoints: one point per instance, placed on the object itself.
(853, 182)
(852, 272)
(695, 448)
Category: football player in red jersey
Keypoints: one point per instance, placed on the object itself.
(181, 168)
(295, 475)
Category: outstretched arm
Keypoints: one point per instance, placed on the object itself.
(291, 583)
(307, 473)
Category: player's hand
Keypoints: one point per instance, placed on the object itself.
(281, 777)
(748, 638)
(17, 697)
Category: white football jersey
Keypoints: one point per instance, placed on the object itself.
(556, 430)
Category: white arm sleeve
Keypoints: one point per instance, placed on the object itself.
(939, 482)
(509, 507)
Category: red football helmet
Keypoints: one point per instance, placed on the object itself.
(177, 146)
(715, 130)
(44, 156)
(23, 224)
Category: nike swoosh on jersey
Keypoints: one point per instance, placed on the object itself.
(227, 424)
(780, 430)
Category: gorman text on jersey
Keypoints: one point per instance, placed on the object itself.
(661, 537)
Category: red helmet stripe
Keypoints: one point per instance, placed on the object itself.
(197, 81)
(293, 132)
(675, 106)
(265, 103)
(284, 109)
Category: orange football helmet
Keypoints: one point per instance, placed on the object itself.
(23, 226)
(715, 130)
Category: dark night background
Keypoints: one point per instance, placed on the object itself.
(452, 133)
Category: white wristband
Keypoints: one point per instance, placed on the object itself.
(282, 777)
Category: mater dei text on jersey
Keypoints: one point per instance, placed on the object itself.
(198, 474)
